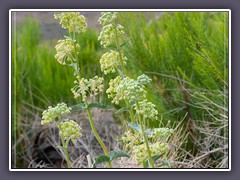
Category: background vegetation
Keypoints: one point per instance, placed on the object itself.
(186, 55)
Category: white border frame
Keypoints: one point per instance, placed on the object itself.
(122, 10)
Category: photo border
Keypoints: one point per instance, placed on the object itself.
(119, 10)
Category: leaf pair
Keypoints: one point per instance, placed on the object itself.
(82, 106)
(138, 128)
(155, 158)
(111, 156)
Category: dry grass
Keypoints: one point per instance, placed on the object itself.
(36, 140)
(38, 143)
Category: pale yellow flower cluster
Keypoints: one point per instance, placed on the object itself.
(143, 79)
(140, 152)
(133, 91)
(65, 48)
(69, 129)
(134, 143)
(72, 21)
(107, 17)
(161, 133)
(146, 109)
(110, 61)
(125, 89)
(110, 29)
(84, 87)
(112, 90)
(49, 115)
(132, 139)
(108, 34)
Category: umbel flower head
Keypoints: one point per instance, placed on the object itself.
(64, 49)
(143, 79)
(132, 139)
(161, 133)
(110, 61)
(125, 89)
(112, 90)
(69, 129)
(107, 17)
(146, 109)
(49, 115)
(134, 143)
(109, 33)
(140, 152)
(72, 21)
(84, 86)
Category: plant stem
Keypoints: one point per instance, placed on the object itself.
(75, 52)
(65, 148)
(131, 111)
(145, 139)
(67, 157)
(96, 134)
(118, 48)
(144, 164)
(148, 149)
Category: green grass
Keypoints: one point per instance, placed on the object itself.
(40, 79)
(189, 46)
(186, 54)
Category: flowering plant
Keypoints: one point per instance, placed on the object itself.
(131, 91)
(84, 89)
(142, 143)
(68, 130)
(50, 115)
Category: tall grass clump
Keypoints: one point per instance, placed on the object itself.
(24, 39)
(186, 53)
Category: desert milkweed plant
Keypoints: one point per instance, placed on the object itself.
(84, 89)
(131, 91)
(68, 129)
(145, 145)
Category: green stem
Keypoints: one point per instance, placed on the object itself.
(119, 48)
(144, 164)
(65, 148)
(67, 157)
(75, 52)
(120, 56)
(96, 134)
(148, 149)
(145, 139)
(131, 111)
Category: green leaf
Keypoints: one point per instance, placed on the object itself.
(98, 105)
(77, 107)
(156, 157)
(100, 159)
(164, 163)
(148, 131)
(76, 69)
(124, 43)
(132, 103)
(116, 154)
(68, 37)
(122, 110)
(135, 126)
